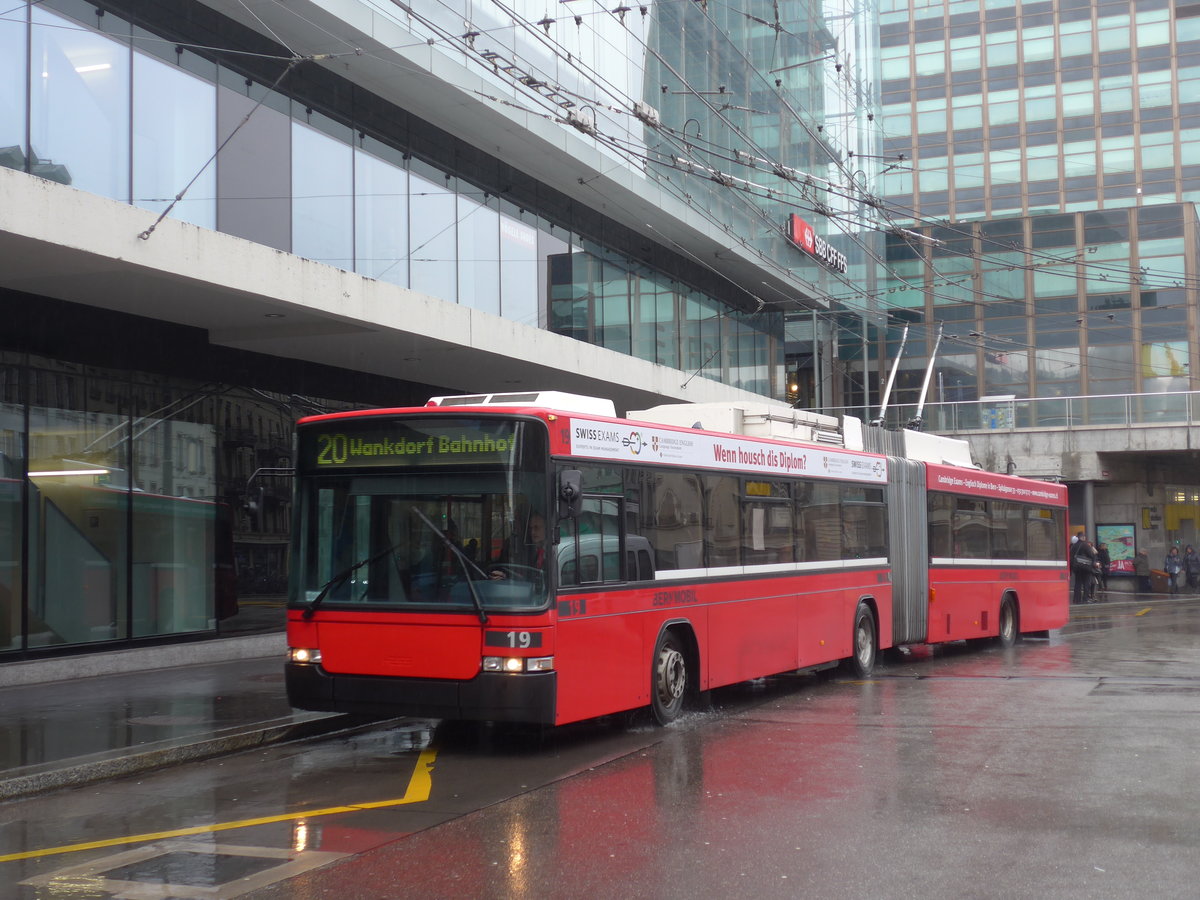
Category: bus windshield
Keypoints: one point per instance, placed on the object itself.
(435, 533)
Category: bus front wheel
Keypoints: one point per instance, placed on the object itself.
(668, 679)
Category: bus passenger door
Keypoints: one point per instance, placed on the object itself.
(599, 646)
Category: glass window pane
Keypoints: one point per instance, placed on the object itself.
(478, 255)
(864, 526)
(972, 529)
(182, 539)
(722, 534)
(941, 511)
(1008, 536)
(1041, 48)
(767, 533)
(571, 294)
(819, 521)
(612, 309)
(964, 60)
(931, 121)
(519, 299)
(1165, 359)
(80, 107)
(654, 320)
(930, 63)
(1076, 44)
(1002, 54)
(12, 474)
(1112, 39)
(381, 219)
(13, 83)
(1080, 104)
(1116, 98)
(174, 136)
(896, 68)
(1061, 364)
(322, 197)
(79, 507)
(432, 238)
(254, 180)
(1003, 371)
(672, 516)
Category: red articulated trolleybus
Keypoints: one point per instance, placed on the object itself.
(533, 558)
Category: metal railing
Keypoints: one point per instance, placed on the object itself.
(1043, 413)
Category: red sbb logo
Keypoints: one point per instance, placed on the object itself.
(803, 236)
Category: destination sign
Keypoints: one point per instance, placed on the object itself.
(406, 443)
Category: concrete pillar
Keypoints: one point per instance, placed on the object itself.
(1089, 508)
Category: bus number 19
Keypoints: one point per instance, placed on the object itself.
(513, 640)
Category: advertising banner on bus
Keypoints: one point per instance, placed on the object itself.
(978, 483)
(619, 442)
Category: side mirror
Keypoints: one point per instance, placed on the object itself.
(570, 493)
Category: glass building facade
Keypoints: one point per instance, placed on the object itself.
(143, 476)
(1041, 160)
(143, 490)
(95, 101)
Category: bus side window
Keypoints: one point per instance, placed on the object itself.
(820, 522)
(670, 515)
(722, 520)
(972, 528)
(941, 514)
(589, 548)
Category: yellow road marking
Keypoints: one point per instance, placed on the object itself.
(1143, 612)
(419, 786)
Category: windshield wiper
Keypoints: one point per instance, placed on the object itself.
(463, 560)
(341, 577)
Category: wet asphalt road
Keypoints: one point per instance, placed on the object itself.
(1060, 768)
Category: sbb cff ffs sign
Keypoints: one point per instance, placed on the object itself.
(802, 235)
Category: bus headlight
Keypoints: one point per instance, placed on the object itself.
(515, 664)
(303, 655)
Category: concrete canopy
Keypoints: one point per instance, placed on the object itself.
(60, 242)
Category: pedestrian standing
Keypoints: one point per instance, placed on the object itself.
(1071, 544)
(1173, 565)
(1106, 563)
(1141, 569)
(1083, 565)
(1191, 567)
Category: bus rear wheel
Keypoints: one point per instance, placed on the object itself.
(862, 662)
(1008, 622)
(668, 679)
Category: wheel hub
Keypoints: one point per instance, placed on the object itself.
(672, 675)
(864, 643)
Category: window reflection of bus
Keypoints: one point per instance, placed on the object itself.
(522, 558)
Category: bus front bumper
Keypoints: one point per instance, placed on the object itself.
(489, 696)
